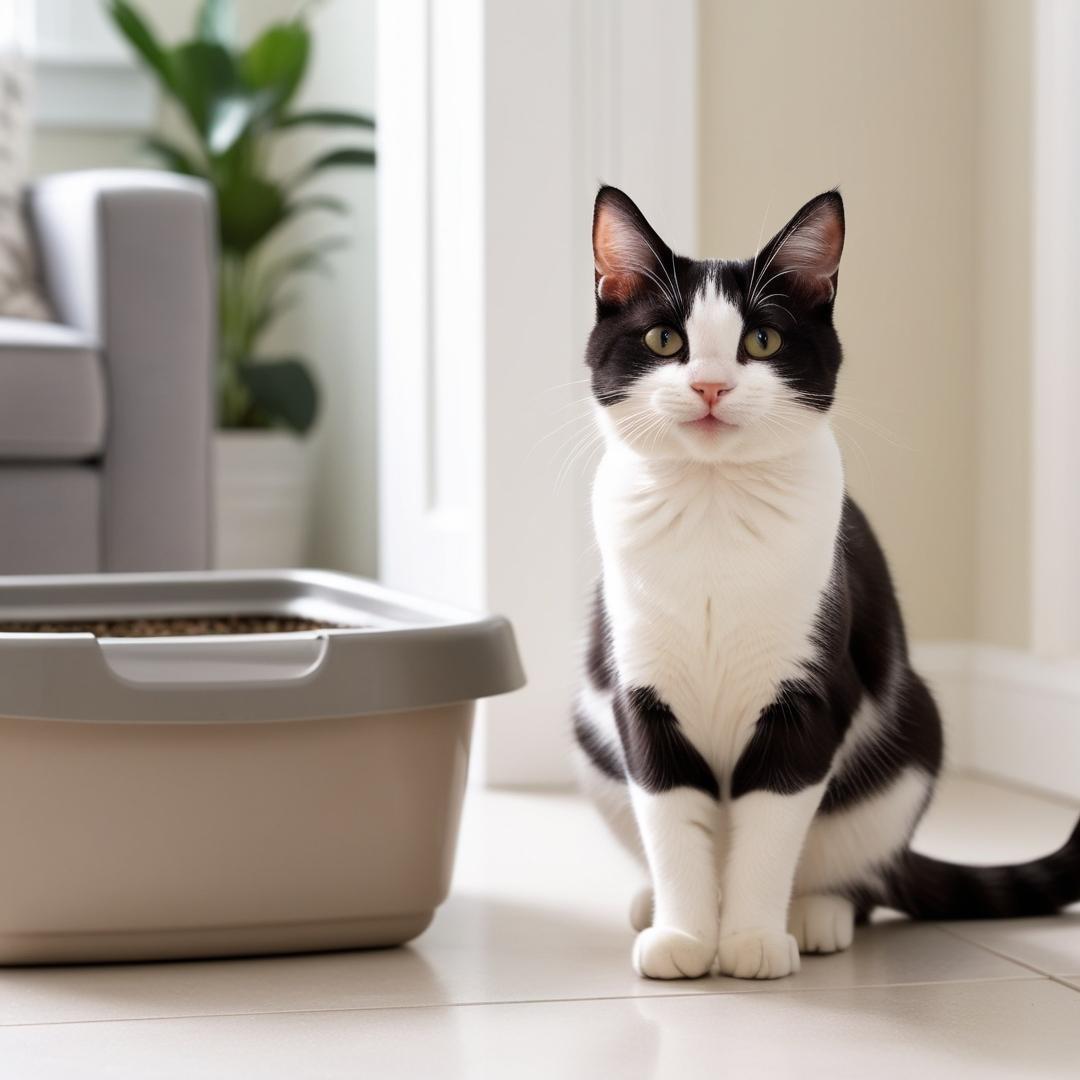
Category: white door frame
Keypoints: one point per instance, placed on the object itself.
(1055, 319)
(497, 119)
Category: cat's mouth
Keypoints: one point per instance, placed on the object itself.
(708, 422)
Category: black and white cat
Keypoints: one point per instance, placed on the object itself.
(750, 723)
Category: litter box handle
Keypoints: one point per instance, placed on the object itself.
(216, 663)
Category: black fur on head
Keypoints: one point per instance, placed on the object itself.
(789, 285)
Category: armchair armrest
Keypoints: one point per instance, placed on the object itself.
(129, 257)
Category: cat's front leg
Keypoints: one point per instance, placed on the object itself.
(677, 828)
(674, 795)
(776, 789)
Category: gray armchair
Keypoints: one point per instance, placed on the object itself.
(106, 415)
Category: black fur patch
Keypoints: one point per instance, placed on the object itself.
(928, 888)
(877, 640)
(908, 729)
(658, 756)
(909, 734)
(597, 750)
(792, 746)
(599, 662)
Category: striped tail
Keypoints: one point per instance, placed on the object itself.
(926, 888)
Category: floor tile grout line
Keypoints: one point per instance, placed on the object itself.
(1001, 955)
(916, 984)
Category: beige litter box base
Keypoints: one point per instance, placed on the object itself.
(93, 948)
(160, 841)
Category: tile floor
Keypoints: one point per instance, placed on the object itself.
(525, 973)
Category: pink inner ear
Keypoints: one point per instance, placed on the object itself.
(622, 257)
(615, 288)
(811, 251)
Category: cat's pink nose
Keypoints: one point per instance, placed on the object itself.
(712, 392)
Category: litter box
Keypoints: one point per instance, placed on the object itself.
(216, 791)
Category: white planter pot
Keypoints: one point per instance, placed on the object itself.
(262, 484)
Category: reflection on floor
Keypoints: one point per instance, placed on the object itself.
(525, 973)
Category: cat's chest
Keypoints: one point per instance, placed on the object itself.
(714, 585)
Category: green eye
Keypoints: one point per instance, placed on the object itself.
(663, 341)
(762, 341)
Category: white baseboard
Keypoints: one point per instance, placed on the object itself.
(1008, 713)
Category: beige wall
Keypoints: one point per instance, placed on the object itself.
(334, 323)
(1003, 330)
(883, 99)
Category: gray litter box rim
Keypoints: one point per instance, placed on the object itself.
(414, 654)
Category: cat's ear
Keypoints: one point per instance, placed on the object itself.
(627, 253)
(804, 256)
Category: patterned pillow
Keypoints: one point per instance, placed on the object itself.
(21, 295)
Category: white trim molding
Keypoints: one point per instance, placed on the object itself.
(1008, 714)
(497, 120)
(1055, 321)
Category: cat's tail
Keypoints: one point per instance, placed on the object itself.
(926, 888)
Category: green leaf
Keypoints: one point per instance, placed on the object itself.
(249, 209)
(276, 61)
(174, 157)
(266, 300)
(317, 202)
(332, 159)
(205, 77)
(143, 40)
(309, 258)
(283, 390)
(229, 119)
(215, 21)
(269, 313)
(328, 118)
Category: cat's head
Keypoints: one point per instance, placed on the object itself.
(714, 360)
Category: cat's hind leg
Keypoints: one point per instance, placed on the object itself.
(611, 797)
(641, 908)
(821, 923)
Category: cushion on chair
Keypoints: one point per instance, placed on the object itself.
(50, 519)
(52, 393)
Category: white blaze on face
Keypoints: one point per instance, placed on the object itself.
(713, 331)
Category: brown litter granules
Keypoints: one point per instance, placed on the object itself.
(177, 627)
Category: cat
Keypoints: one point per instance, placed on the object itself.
(750, 724)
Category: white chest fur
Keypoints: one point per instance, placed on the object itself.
(713, 577)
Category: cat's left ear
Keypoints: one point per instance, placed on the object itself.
(804, 256)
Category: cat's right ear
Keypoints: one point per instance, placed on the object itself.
(627, 253)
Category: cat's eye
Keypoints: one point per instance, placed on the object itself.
(663, 341)
(762, 342)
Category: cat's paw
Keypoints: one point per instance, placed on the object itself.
(641, 908)
(662, 952)
(757, 954)
(822, 924)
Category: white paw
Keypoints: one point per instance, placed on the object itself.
(757, 954)
(822, 924)
(641, 908)
(662, 952)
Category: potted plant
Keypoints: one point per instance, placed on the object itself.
(237, 101)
